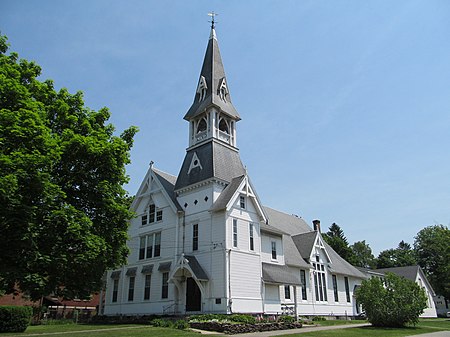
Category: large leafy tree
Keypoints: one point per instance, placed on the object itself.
(362, 255)
(64, 212)
(432, 248)
(401, 256)
(392, 302)
(336, 239)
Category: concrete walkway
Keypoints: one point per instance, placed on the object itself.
(302, 330)
(434, 334)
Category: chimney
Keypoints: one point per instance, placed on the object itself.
(316, 224)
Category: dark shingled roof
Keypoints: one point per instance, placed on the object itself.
(227, 193)
(131, 271)
(147, 269)
(217, 161)
(408, 272)
(213, 72)
(168, 182)
(196, 268)
(279, 274)
(305, 243)
(164, 266)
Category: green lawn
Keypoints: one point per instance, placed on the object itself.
(424, 326)
(76, 330)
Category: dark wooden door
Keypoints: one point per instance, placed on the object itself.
(193, 296)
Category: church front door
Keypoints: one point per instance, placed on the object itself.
(193, 296)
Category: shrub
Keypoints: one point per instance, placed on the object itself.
(392, 302)
(240, 318)
(286, 319)
(318, 318)
(14, 318)
(163, 323)
(181, 324)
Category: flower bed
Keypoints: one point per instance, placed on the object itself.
(230, 328)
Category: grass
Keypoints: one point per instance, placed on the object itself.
(424, 326)
(116, 330)
(333, 322)
(112, 330)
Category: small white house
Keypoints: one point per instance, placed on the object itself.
(204, 243)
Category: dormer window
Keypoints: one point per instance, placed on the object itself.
(242, 202)
(201, 89)
(223, 90)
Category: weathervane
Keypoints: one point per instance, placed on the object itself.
(212, 15)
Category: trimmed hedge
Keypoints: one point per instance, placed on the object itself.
(14, 318)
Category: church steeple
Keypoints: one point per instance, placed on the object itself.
(212, 114)
(212, 154)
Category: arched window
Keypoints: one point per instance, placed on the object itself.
(201, 126)
(223, 126)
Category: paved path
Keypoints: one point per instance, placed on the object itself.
(434, 334)
(301, 330)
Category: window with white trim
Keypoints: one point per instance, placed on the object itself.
(274, 250)
(251, 236)
(320, 283)
(287, 292)
(150, 246)
(147, 284)
(303, 281)
(242, 202)
(195, 237)
(115, 291)
(335, 288)
(235, 233)
(151, 215)
(131, 288)
(165, 285)
(347, 289)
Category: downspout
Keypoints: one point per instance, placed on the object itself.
(230, 300)
(295, 302)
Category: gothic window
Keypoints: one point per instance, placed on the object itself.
(252, 239)
(223, 126)
(150, 246)
(320, 281)
(201, 125)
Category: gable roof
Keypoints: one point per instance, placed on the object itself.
(341, 266)
(168, 183)
(227, 193)
(305, 243)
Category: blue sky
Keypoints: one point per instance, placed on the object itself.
(345, 105)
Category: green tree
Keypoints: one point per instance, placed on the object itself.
(392, 302)
(401, 256)
(362, 255)
(432, 249)
(64, 211)
(336, 239)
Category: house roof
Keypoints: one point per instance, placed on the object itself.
(196, 268)
(168, 183)
(279, 274)
(214, 74)
(217, 161)
(341, 266)
(408, 272)
(226, 195)
(288, 223)
(305, 243)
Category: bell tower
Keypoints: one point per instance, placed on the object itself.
(212, 114)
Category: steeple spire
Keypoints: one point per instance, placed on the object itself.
(212, 88)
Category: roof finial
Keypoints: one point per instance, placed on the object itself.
(212, 15)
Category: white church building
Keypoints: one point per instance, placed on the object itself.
(203, 242)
